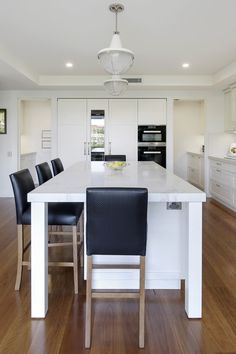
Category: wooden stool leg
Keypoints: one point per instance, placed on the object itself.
(20, 236)
(142, 302)
(88, 302)
(75, 258)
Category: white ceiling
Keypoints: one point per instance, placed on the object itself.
(38, 37)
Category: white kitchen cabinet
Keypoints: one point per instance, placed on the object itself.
(152, 111)
(195, 169)
(72, 130)
(223, 181)
(121, 117)
(230, 109)
(122, 127)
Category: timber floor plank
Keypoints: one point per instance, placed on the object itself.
(115, 323)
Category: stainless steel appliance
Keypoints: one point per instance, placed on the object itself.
(152, 144)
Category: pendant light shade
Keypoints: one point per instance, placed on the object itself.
(115, 59)
(116, 85)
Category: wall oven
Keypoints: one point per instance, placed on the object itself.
(151, 133)
(155, 152)
(152, 143)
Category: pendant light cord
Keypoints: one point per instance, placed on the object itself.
(116, 31)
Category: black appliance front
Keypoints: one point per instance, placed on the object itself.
(151, 133)
(152, 153)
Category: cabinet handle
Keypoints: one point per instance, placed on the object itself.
(85, 148)
(88, 148)
(218, 164)
(109, 147)
(217, 170)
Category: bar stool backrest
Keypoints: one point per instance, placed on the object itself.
(57, 166)
(22, 183)
(115, 157)
(44, 172)
(116, 221)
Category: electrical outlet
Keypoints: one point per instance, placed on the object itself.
(174, 206)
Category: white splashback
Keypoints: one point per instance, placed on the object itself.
(218, 144)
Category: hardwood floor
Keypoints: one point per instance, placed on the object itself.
(115, 323)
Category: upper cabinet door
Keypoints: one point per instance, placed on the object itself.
(123, 111)
(152, 111)
(72, 123)
(122, 128)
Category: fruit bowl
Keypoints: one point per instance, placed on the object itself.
(116, 165)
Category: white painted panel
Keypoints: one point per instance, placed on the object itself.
(123, 140)
(123, 111)
(71, 112)
(71, 145)
(122, 128)
(152, 111)
(72, 120)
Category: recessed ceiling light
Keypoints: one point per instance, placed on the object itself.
(185, 65)
(69, 65)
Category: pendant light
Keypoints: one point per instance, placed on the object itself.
(115, 59)
(115, 86)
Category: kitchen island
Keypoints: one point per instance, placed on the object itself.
(174, 240)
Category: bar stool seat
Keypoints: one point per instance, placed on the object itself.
(70, 215)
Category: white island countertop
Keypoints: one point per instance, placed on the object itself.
(174, 238)
(163, 186)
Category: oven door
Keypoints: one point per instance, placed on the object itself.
(152, 153)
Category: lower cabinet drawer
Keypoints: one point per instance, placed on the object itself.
(224, 177)
(222, 192)
(193, 176)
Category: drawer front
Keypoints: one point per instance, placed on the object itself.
(193, 175)
(194, 161)
(223, 165)
(222, 192)
(225, 177)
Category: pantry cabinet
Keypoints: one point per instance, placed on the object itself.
(74, 128)
(122, 128)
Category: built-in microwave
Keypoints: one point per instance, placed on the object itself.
(151, 133)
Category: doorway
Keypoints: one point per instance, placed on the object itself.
(189, 128)
(35, 133)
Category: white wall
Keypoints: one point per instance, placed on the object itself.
(188, 133)
(8, 143)
(9, 100)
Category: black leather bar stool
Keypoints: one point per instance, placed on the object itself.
(58, 214)
(115, 157)
(116, 225)
(44, 172)
(57, 166)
